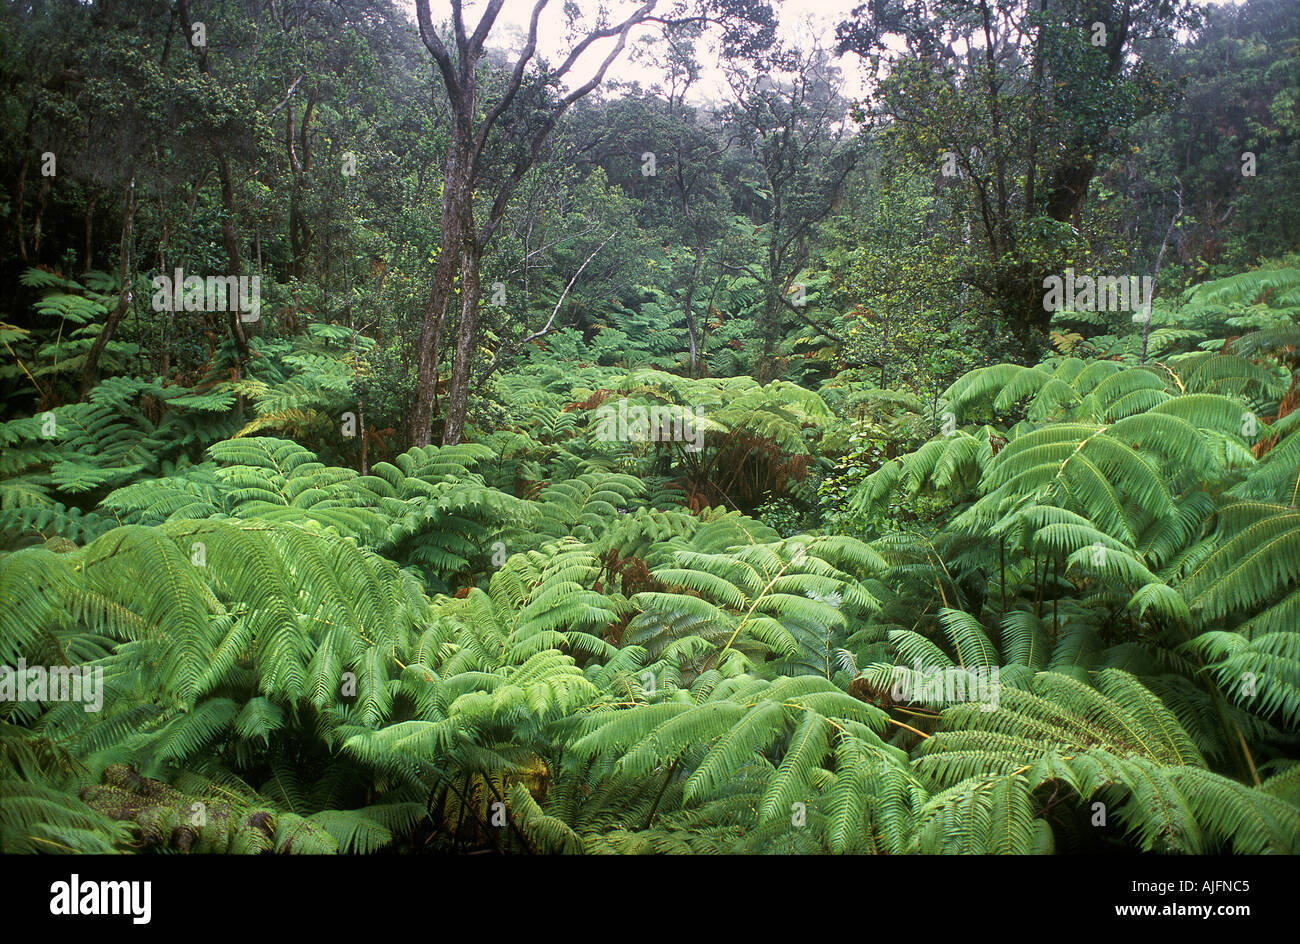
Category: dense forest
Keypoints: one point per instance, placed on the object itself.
(695, 426)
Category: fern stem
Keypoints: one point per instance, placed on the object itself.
(912, 711)
(758, 599)
(59, 845)
(908, 727)
(1216, 698)
(464, 804)
(1056, 596)
(1002, 572)
(1245, 750)
(510, 820)
(663, 788)
(1038, 591)
(460, 816)
(19, 361)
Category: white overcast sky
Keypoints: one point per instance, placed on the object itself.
(798, 21)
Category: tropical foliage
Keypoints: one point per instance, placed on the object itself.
(710, 476)
(547, 641)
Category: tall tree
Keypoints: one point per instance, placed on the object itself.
(792, 123)
(998, 92)
(484, 125)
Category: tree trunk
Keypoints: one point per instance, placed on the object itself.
(231, 242)
(169, 316)
(456, 209)
(91, 369)
(299, 164)
(228, 236)
(687, 303)
(42, 199)
(1072, 175)
(462, 243)
(20, 192)
(90, 233)
(458, 388)
(1035, 114)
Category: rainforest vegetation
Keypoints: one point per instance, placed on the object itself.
(695, 426)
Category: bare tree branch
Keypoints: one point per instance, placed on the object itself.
(1160, 257)
(433, 43)
(516, 79)
(546, 328)
(287, 95)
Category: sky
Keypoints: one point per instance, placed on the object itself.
(798, 20)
